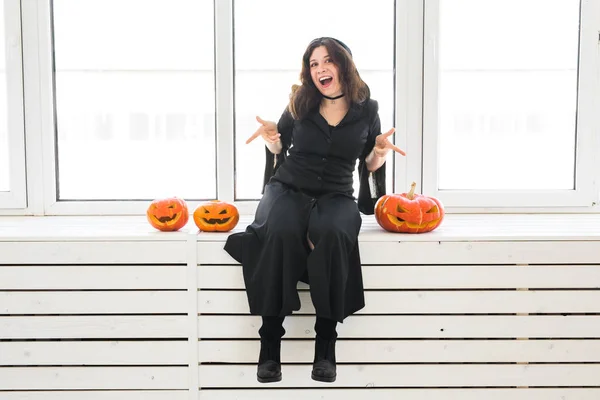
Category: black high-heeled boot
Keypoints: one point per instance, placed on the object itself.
(269, 359)
(324, 364)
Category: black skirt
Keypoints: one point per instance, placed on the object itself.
(275, 254)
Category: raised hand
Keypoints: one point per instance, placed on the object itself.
(268, 131)
(383, 144)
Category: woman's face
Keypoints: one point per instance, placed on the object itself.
(324, 72)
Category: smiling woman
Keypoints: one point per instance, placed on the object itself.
(264, 71)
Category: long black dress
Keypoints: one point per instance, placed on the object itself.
(308, 193)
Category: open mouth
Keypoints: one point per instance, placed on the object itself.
(325, 81)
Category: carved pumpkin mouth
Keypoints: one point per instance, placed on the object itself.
(166, 219)
(396, 220)
(214, 221)
(399, 222)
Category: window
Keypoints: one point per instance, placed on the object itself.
(495, 102)
(268, 59)
(12, 134)
(134, 98)
(501, 112)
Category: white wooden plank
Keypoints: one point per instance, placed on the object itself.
(104, 327)
(138, 302)
(426, 326)
(463, 227)
(411, 351)
(437, 276)
(57, 252)
(76, 228)
(447, 252)
(213, 253)
(92, 277)
(429, 302)
(94, 353)
(482, 252)
(66, 378)
(396, 394)
(419, 375)
(474, 227)
(103, 395)
(517, 226)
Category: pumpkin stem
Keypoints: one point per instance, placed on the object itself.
(411, 194)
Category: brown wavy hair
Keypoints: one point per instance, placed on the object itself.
(306, 96)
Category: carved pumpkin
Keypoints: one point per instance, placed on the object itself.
(216, 216)
(170, 214)
(409, 212)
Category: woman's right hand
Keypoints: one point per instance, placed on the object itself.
(268, 131)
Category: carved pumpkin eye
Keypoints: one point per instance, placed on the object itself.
(400, 209)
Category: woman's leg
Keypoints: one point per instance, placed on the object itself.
(269, 359)
(324, 363)
(277, 254)
(333, 228)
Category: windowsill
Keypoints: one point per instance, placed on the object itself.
(455, 227)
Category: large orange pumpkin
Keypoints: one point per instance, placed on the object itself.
(170, 214)
(409, 212)
(216, 216)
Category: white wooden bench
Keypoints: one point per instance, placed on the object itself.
(486, 307)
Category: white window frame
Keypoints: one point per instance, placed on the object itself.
(16, 197)
(42, 54)
(585, 196)
(415, 73)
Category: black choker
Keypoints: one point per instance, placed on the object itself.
(334, 98)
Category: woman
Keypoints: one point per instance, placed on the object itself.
(307, 223)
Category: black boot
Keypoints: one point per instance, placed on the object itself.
(324, 364)
(269, 359)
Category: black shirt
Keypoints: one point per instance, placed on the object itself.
(319, 159)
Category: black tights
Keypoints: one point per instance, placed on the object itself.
(272, 328)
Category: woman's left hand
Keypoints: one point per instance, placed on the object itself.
(383, 144)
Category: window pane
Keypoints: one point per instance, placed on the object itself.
(268, 59)
(135, 99)
(4, 160)
(507, 94)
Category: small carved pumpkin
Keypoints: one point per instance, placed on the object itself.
(170, 214)
(409, 212)
(216, 216)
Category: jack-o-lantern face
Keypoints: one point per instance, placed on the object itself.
(409, 212)
(169, 214)
(216, 216)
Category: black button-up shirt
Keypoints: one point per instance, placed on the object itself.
(322, 158)
(318, 159)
